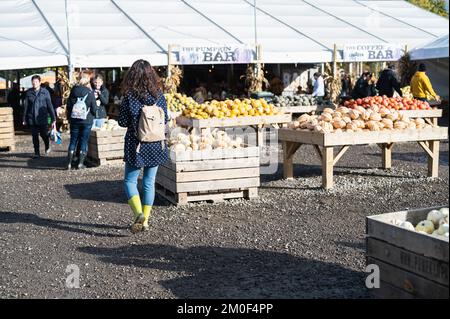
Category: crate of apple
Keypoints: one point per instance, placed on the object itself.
(393, 103)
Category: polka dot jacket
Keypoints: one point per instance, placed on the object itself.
(150, 154)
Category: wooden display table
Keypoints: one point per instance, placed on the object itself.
(430, 116)
(7, 128)
(256, 122)
(303, 109)
(324, 144)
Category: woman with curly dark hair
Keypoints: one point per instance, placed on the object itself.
(141, 87)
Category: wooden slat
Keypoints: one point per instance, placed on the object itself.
(223, 174)
(6, 135)
(422, 113)
(106, 155)
(106, 147)
(7, 118)
(106, 140)
(301, 109)
(209, 165)
(380, 227)
(6, 111)
(409, 282)
(429, 268)
(105, 134)
(234, 122)
(214, 154)
(426, 148)
(303, 137)
(341, 153)
(218, 185)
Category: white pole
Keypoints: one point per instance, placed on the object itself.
(69, 57)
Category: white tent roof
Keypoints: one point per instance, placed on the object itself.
(112, 33)
(436, 49)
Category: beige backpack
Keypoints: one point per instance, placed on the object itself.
(152, 127)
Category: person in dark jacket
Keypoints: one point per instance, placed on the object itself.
(364, 87)
(80, 129)
(141, 86)
(37, 108)
(102, 100)
(388, 82)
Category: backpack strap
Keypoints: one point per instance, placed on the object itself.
(85, 97)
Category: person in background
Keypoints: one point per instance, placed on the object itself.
(14, 100)
(80, 129)
(200, 94)
(346, 85)
(319, 87)
(102, 99)
(365, 86)
(37, 108)
(141, 86)
(421, 85)
(388, 82)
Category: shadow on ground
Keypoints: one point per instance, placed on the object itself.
(104, 191)
(74, 227)
(14, 160)
(214, 272)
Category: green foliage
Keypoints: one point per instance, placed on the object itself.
(435, 6)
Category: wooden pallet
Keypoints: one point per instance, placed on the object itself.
(324, 144)
(106, 147)
(7, 139)
(412, 265)
(210, 176)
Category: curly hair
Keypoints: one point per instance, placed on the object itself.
(142, 79)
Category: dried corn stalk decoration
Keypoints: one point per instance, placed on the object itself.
(172, 82)
(333, 84)
(255, 79)
(407, 68)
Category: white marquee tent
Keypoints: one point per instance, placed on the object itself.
(436, 49)
(113, 33)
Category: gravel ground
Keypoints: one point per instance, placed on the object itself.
(296, 241)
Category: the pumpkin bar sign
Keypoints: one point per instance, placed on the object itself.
(214, 55)
(372, 52)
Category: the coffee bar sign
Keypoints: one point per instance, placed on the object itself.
(214, 55)
(372, 52)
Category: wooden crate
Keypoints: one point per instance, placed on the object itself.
(324, 144)
(412, 265)
(7, 139)
(210, 176)
(106, 147)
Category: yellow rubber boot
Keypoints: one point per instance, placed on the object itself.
(136, 207)
(147, 212)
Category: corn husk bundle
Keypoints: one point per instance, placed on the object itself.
(255, 82)
(344, 119)
(407, 68)
(333, 84)
(172, 82)
(206, 141)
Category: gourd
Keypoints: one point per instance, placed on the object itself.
(425, 226)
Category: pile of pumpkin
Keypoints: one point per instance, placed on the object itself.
(205, 141)
(436, 223)
(359, 119)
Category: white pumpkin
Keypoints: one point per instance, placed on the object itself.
(444, 211)
(425, 226)
(178, 148)
(407, 225)
(443, 229)
(435, 216)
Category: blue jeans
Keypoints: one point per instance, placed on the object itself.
(98, 123)
(148, 180)
(79, 133)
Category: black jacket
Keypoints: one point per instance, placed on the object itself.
(37, 107)
(387, 83)
(104, 100)
(363, 89)
(75, 93)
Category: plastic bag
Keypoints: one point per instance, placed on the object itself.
(55, 136)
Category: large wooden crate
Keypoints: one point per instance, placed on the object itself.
(210, 176)
(106, 147)
(412, 265)
(7, 128)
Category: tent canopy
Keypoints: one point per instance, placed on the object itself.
(113, 33)
(437, 49)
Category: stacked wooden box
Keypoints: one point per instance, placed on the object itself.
(412, 265)
(7, 128)
(106, 147)
(210, 175)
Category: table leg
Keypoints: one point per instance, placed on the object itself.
(433, 161)
(289, 149)
(387, 155)
(327, 167)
